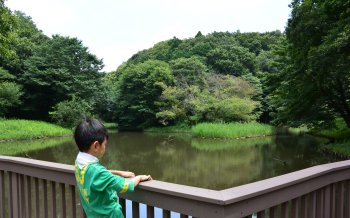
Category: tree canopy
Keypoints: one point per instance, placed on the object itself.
(316, 77)
(294, 78)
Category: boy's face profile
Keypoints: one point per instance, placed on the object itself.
(98, 149)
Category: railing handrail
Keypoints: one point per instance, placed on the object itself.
(243, 192)
(202, 202)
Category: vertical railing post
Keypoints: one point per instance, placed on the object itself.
(327, 201)
(2, 194)
(63, 200)
(122, 203)
(166, 214)
(36, 197)
(303, 205)
(29, 196)
(284, 210)
(347, 208)
(10, 195)
(73, 202)
(53, 199)
(312, 205)
(21, 196)
(135, 210)
(46, 209)
(261, 214)
(273, 211)
(150, 212)
(294, 208)
(14, 190)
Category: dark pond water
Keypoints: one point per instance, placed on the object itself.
(214, 164)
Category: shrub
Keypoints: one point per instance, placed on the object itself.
(69, 113)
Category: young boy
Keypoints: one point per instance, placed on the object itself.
(98, 187)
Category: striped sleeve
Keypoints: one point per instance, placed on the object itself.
(124, 185)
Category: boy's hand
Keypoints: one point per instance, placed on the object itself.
(145, 177)
(125, 174)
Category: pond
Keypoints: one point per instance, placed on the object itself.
(206, 163)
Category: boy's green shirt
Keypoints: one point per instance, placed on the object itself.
(98, 189)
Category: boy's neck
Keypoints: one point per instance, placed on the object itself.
(90, 153)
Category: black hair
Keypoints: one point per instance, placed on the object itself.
(88, 131)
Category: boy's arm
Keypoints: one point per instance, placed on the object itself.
(125, 174)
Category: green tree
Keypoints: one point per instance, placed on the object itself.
(68, 113)
(138, 89)
(222, 98)
(10, 94)
(58, 69)
(188, 71)
(25, 36)
(232, 59)
(6, 24)
(319, 37)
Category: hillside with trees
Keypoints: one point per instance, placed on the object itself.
(219, 77)
(298, 77)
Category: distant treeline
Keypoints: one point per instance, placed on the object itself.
(298, 77)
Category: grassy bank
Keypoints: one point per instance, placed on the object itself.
(341, 149)
(231, 130)
(112, 127)
(23, 147)
(340, 137)
(29, 129)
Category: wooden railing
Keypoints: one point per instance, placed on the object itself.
(33, 188)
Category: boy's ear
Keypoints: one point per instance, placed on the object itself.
(95, 144)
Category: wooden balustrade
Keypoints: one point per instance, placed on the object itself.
(33, 188)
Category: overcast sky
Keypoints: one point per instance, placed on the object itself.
(114, 30)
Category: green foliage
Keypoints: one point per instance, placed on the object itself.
(111, 126)
(10, 94)
(173, 82)
(29, 129)
(24, 38)
(339, 132)
(220, 98)
(138, 89)
(6, 24)
(232, 60)
(59, 68)
(68, 113)
(319, 36)
(193, 61)
(231, 130)
(188, 71)
(341, 149)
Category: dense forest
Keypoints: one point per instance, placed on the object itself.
(297, 77)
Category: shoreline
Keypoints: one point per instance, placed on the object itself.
(33, 138)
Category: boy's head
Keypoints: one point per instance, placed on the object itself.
(90, 134)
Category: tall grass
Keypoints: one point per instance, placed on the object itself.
(231, 130)
(340, 132)
(111, 126)
(341, 149)
(239, 144)
(29, 129)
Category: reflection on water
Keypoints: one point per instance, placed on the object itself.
(214, 164)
